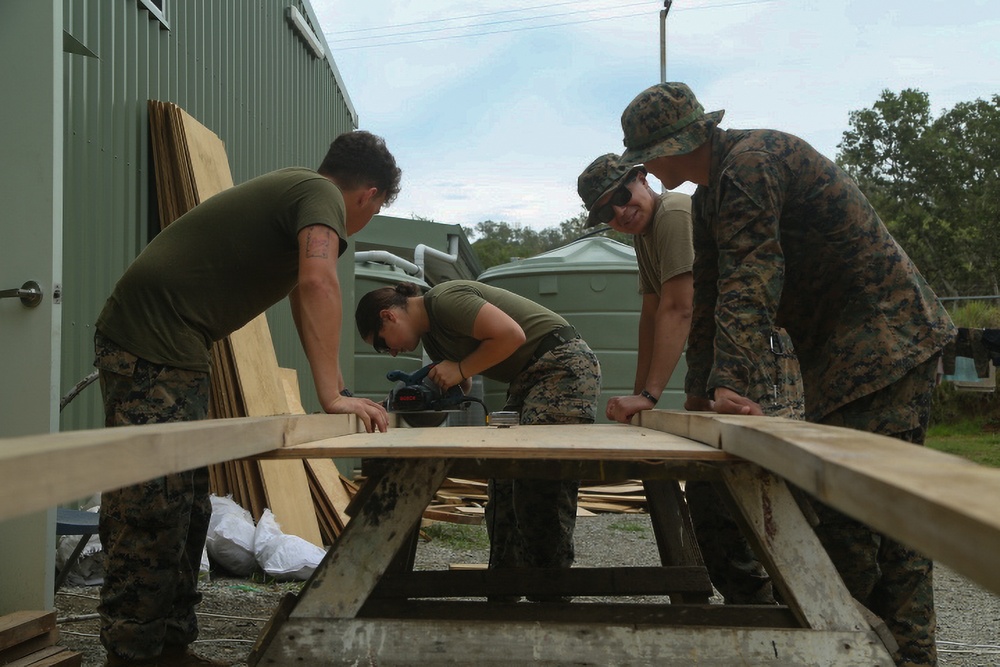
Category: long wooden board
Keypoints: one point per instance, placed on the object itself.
(940, 504)
(571, 441)
(42, 471)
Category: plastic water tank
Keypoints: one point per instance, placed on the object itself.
(593, 283)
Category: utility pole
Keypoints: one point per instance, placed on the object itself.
(663, 39)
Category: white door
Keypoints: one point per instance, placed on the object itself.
(31, 140)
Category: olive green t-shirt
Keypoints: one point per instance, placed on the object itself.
(665, 249)
(452, 308)
(218, 266)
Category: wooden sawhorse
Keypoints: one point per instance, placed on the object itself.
(358, 609)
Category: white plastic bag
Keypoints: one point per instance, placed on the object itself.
(230, 537)
(284, 557)
(89, 567)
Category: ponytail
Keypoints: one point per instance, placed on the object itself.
(366, 316)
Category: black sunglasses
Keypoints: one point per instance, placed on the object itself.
(621, 196)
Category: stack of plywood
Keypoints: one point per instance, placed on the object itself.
(306, 497)
(28, 639)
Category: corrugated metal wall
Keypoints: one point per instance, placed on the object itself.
(238, 67)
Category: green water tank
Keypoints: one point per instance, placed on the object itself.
(593, 283)
(369, 366)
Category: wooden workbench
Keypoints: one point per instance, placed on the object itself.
(364, 606)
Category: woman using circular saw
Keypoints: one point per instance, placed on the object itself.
(553, 377)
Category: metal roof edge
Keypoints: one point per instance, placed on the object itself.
(307, 5)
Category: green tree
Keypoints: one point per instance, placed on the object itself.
(498, 242)
(934, 182)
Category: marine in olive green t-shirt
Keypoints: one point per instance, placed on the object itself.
(452, 308)
(218, 266)
(665, 249)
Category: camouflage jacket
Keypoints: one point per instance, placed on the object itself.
(784, 238)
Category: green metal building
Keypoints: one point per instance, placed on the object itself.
(257, 74)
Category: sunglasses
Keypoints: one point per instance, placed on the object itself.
(621, 196)
(379, 344)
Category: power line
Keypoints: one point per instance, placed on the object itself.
(491, 32)
(461, 18)
(517, 29)
(488, 23)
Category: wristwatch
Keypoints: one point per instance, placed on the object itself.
(647, 395)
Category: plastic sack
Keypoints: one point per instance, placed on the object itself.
(230, 537)
(89, 567)
(284, 557)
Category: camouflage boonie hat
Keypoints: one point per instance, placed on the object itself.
(665, 119)
(601, 177)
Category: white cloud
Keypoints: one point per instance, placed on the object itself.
(499, 126)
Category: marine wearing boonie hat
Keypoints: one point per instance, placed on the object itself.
(600, 177)
(665, 119)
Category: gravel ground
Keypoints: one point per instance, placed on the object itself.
(234, 610)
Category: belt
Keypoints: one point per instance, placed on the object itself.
(554, 339)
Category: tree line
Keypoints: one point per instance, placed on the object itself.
(935, 182)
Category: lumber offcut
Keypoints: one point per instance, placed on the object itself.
(30, 638)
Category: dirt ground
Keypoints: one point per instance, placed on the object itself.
(234, 611)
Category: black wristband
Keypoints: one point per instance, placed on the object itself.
(647, 395)
(346, 392)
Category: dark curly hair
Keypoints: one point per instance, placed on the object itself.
(360, 159)
(366, 316)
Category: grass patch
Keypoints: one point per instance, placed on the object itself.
(459, 536)
(972, 439)
(629, 527)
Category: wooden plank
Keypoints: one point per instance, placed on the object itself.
(29, 647)
(573, 441)
(674, 532)
(327, 641)
(881, 481)
(791, 552)
(329, 480)
(576, 581)
(288, 496)
(53, 656)
(40, 471)
(290, 384)
(20, 626)
(604, 613)
(208, 160)
(352, 566)
(252, 351)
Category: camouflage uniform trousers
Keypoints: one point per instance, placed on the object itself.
(152, 533)
(892, 580)
(731, 563)
(531, 521)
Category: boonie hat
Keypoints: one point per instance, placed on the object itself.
(601, 177)
(665, 119)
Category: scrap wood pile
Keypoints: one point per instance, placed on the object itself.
(28, 639)
(464, 500)
(308, 498)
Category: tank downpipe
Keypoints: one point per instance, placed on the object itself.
(421, 251)
(383, 257)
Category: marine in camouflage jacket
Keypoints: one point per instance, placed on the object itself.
(784, 238)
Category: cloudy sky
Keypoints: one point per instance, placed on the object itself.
(493, 108)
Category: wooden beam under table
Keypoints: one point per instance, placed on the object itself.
(357, 641)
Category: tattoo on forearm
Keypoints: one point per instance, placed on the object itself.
(318, 243)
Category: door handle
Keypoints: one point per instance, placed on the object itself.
(29, 293)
